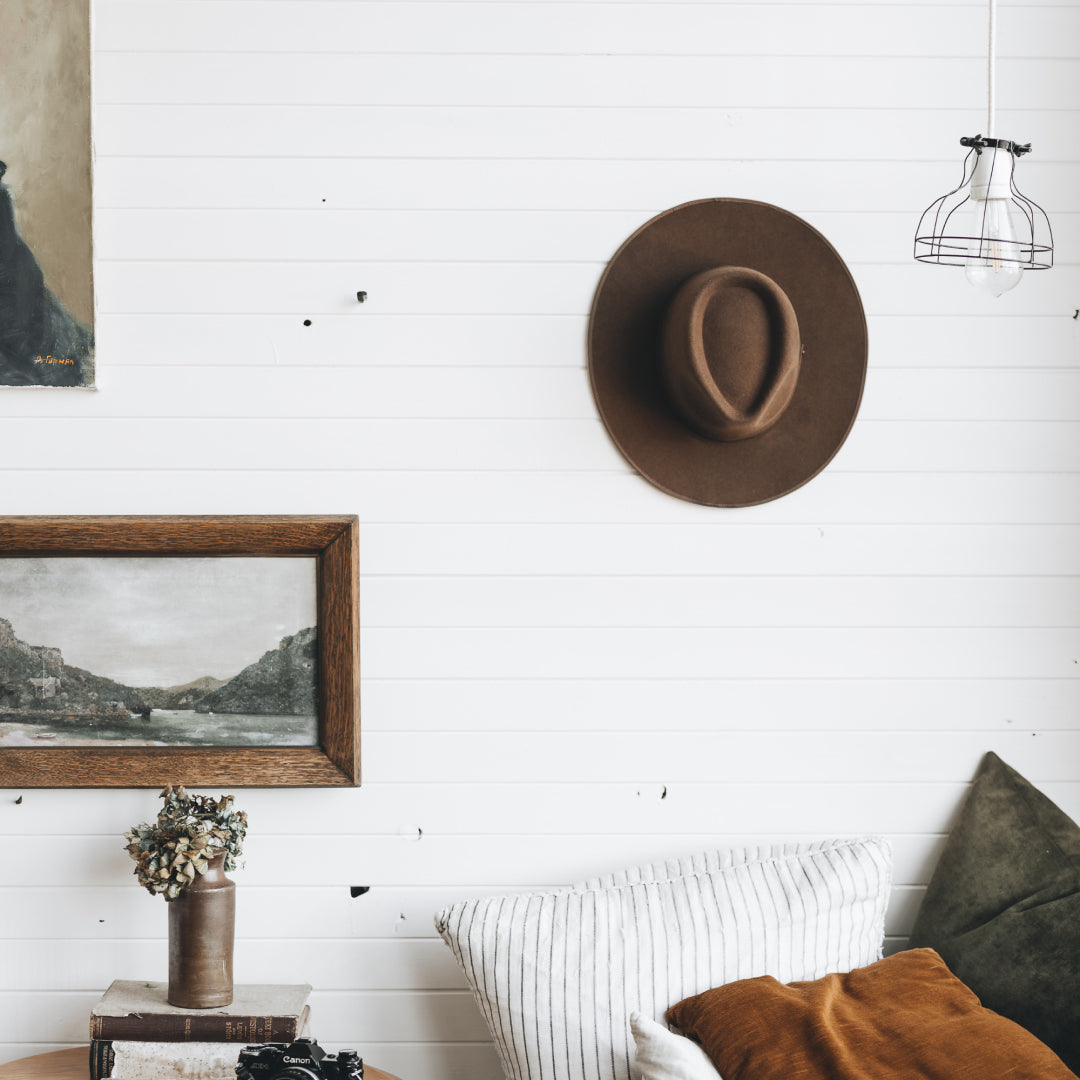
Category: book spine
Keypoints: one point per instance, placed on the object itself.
(102, 1059)
(160, 1028)
(126, 1058)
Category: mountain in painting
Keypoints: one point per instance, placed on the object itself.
(34, 679)
(282, 682)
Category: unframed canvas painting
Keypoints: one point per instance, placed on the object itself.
(46, 268)
(158, 651)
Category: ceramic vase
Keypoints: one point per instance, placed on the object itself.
(201, 926)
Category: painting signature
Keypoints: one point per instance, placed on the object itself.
(50, 359)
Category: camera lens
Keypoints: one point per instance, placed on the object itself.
(296, 1072)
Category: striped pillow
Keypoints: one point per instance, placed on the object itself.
(556, 975)
(703, 863)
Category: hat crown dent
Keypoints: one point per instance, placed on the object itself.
(736, 323)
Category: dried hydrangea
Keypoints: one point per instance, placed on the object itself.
(190, 830)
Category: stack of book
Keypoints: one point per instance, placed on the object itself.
(135, 1034)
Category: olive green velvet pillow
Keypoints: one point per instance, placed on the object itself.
(1003, 906)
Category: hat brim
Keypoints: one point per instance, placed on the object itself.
(624, 348)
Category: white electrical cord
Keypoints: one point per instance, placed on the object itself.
(990, 132)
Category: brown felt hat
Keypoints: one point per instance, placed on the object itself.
(727, 351)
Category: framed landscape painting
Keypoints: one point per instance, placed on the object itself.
(193, 650)
(46, 256)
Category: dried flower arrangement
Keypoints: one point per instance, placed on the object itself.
(190, 831)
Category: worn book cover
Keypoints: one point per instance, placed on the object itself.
(129, 1059)
(136, 1010)
(116, 1059)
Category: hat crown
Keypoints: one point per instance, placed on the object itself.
(731, 352)
(682, 441)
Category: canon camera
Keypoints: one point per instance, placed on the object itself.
(303, 1059)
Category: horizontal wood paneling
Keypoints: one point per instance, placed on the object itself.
(466, 288)
(853, 703)
(403, 951)
(607, 27)
(703, 548)
(403, 80)
(641, 183)
(323, 235)
(342, 443)
(933, 500)
(416, 966)
(514, 861)
(724, 756)
(623, 602)
(565, 671)
(360, 337)
(443, 392)
(430, 131)
(665, 800)
(754, 652)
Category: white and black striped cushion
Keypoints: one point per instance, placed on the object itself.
(557, 975)
(704, 862)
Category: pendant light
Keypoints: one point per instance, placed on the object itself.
(985, 225)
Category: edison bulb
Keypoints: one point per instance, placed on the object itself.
(991, 265)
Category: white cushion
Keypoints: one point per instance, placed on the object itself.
(661, 1054)
(556, 975)
(704, 862)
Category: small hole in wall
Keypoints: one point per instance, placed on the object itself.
(307, 322)
(358, 890)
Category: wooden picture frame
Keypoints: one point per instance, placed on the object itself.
(331, 540)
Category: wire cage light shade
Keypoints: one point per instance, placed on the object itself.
(985, 224)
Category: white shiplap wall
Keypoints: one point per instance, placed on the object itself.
(564, 670)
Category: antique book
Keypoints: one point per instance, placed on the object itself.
(139, 1011)
(129, 1059)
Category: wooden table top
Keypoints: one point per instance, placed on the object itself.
(74, 1064)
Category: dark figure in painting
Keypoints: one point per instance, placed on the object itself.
(41, 344)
